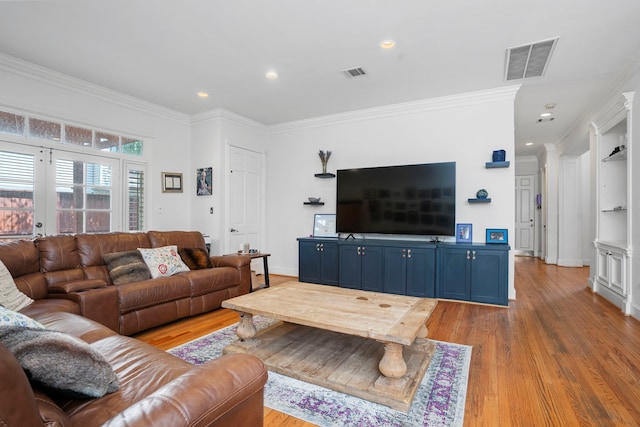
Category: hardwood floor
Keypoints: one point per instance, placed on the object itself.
(558, 356)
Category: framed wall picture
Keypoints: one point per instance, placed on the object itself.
(464, 233)
(324, 225)
(497, 235)
(171, 182)
(204, 183)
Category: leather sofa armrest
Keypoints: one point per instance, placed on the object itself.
(76, 286)
(228, 391)
(99, 304)
(235, 261)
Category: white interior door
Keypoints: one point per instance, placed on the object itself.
(245, 199)
(525, 215)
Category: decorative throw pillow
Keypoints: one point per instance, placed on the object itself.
(195, 258)
(163, 261)
(10, 295)
(11, 318)
(61, 362)
(126, 267)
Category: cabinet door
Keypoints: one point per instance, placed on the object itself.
(617, 280)
(489, 276)
(350, 267)
(329, 262)
(421, 272)
(372, 268)
(309, 261)
(395, 271)
(453, 281)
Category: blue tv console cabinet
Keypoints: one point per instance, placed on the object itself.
(460, 271)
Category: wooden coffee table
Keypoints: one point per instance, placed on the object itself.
(368, 344)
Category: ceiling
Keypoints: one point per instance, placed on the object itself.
(165, 51)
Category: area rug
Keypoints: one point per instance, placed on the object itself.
(439, 401)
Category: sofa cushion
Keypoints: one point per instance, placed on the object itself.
(11, 318)
(58, 361)
(126, 267)
(10, 296)
(195, 258)
(163, 261)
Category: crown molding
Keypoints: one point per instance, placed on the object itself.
(506, 93)
(32, 71)
(616, 88)
(228, 116)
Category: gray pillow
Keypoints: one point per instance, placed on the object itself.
(60, 362)
(126, 267)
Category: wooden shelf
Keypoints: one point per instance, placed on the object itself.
(325, 175)
(487, 200)
(492, 165)
(314, 203)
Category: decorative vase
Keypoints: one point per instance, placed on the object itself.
(324, 158)
(482, 194)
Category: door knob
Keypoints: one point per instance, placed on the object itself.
(233, 230)
(38, 225)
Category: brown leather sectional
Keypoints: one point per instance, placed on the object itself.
(66, 277)
(72, 268)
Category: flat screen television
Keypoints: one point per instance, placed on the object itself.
(411, 199)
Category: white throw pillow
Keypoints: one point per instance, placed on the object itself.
(164, 261)
(10, 295)
(11, 318)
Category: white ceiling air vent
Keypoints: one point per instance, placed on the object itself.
(529, 60)
(354, 72)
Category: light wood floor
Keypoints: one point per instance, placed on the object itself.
(558, 356)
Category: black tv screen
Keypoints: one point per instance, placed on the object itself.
(411, 199)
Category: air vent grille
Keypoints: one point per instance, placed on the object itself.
(354, 72)
(529, 60)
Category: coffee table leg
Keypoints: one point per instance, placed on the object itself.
(246, 328)
(392, 364)
(423, 332)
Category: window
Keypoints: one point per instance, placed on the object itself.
(134, 212)
(83, 196)
(61, 178)
(16, 195)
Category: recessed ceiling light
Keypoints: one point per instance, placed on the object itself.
(271, 75)
(529, 143)
(387, 44)
(546, 115)
(203, 94)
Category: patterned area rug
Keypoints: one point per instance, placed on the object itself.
(439, 401)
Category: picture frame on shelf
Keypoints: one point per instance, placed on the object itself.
(464, 233)
(171, 182)
(324, 225)
(497, 235)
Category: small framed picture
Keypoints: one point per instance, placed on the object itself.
(171, 182)
(324, 225)
(204, 184)
(497, 235)
(464, 233)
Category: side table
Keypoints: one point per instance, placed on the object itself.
(265, 264)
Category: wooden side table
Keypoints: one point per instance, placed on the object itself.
(265, 264)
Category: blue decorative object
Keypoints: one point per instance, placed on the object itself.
(499, 155)
(482, 194)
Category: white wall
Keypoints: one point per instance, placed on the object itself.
(167, 133)
(422, 132)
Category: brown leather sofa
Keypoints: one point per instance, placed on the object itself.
(156, 388)
(68, 273)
